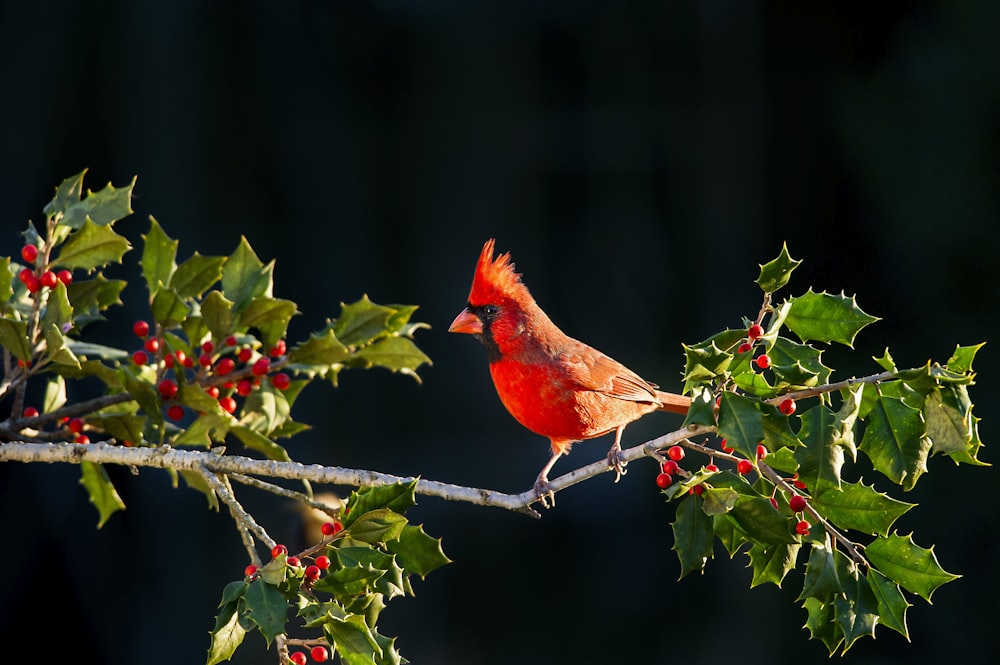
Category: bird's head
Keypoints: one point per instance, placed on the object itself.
(499, 303)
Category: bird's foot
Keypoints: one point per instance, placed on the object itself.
(616, 462)
(545, 494)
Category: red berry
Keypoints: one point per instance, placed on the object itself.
(29, 253)
(663, 480)
(697, 490)
(75, 425)
(244, 387)
(25, 275)
(82, 438)
(787, 406)
(327, 528)
(152, 344)
(676, 453)
(30, 412)
(33, 284)
(323, 562)
(312, 572)
(711, 468)
(231, 340)
(49, 279)
(725, 447)
(763, 361)
(797, 503)
(320, 654)
(261, 367)
(755, 331)
(65, 276)
(278, 349)
(228, 404)
(208, 347)
(670, 467)
(802, 528)
(213, 391)
(293, 561)
(167, 388)
(140, 358)
(225, 366)
(744, 347)
(168, 361)
(250, 570)
(140, 328)
(176, 412)
(774, 502)
(278, 550)
(297, 657)
(799, 484)
(204, 360)
(281, 381)
(245, 354)
(761, 451)
(744, 466)
(188, 362)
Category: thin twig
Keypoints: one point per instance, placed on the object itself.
(225, 492)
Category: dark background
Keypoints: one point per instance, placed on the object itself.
(639, 159)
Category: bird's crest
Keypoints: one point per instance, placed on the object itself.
(495, 280)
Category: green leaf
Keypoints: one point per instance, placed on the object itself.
(228, 633)
(961, 359)
(948, 419)
(55, 394)
(267, 608)
(58, 312)
(377, 526)
(856, 609)
(797, 365)
(820, 458)
(770, 563)
(244, 277)
(826, 571)
(741, 423)
(859, 507)
(418, 552)
(14, 336)
(822, 623)
(718, 500)
(67, 193)
(318, 353)
(195, 275)
(91, 247)
(169, 309)
(257, 441)
(824, 317)
(894, 441)
(761, 523)
(702, 409)
(102, 492)
(205, 428)
(693, 535)
(711, 358)
(361, 321)
(398, 354)
(6, 276)
(398, 497)
(158, 257)
(271, 314)
(57, 349)
(87, 350)
(123, 426)
(96, 294)
(354, 640)
(104, 207)
(912, 567)
(217, 313)
(143, 393)
(891, 602)
(775, 274)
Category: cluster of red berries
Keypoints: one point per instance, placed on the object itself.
(72, 426)
(36, 279)
(319, 653)
(763, 361)
(210, 361)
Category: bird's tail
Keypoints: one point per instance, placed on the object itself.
(673, 403)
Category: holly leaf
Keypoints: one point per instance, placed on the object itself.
(195, 275)
(856, 609)
(859, 507)
(398, 354)
(693, 535)
(270, 314)
(101, 491)
(741, 423)
(775, 274)
(267, 608)
(158, 256)
(770, 563)
(825, 573)
(244, 277)
(418, 552)
(362, 321)
(820, 459)
(377, 526)
(353, 639)
(169, 309)
(103, 207)
(891, 602)
(910, 566)
(68, 193)
(822, 624)
(961, 359)
(318, 353)
(217, 313)
(92, 246)
(398, 497)
(824, 317)
(894, 441)
(948, 419)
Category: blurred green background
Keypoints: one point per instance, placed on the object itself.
(639, 159)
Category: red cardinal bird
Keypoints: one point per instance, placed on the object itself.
(552, 384)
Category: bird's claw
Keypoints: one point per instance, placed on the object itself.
(616, 463)
(545, 494)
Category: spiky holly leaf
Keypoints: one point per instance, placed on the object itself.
(711, 358)
(362, 321)
(256, 441)
(6, 277)
(775, 273)
(894, 441)
(824, 317)
(914, 568)
(822, 624)
(826, 571)
(101, 491)
(770, 563)
(228, 632)
(418, 552)
(948, 419)
(693, 536)
(797, 365)
(820, 459)
(398, 497)
(859, 507)
(376, 526)
(856, 609)
(266, 608)
(103, 207)
(741, 423)
(398, 354)
(68, 193)
(354, 640)
(245, 277)
(702, 409)
(169, 309)
(217, 314)
(195, 275)
(159, 253)
(762, 524)
(92, 246)
(94, 296)
(961, 359)
(317, 354)
(891, 602)
(270, 316)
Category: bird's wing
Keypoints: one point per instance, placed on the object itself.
(593, 370)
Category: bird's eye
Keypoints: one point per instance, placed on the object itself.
(490, 311)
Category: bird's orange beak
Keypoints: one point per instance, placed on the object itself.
(466, 322)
